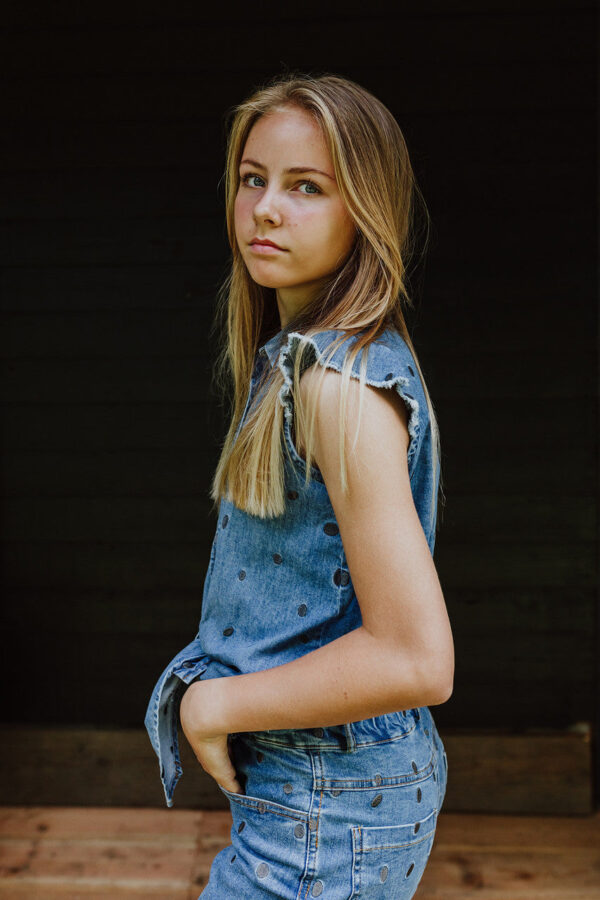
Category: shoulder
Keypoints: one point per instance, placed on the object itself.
(385, 363)
(377, 420)
(386, 358)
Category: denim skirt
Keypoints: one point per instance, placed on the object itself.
(348, 811)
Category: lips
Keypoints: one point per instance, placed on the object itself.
(265, 243)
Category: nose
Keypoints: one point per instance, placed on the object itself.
(266, 208)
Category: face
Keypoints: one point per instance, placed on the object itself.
(302, 211)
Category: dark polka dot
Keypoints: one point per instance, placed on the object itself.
(415, 767)
(299, 830)
(330, 528)
(417, 826)
(277, 558)
(410, 868)
(341, 577)
(411, 371)
(262, 870)
(389, 375)
(233, 858)
(378, 779)
(228, 631)
(225, 521)
(292, 495)
(383, 873)
(288, 788)
(318, 732)
(317, 889)
(419, 795)
(377, 800)
(241, 827)
(302, 609)
(260, 756)
(241, 574)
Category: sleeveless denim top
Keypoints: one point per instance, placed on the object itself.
(278, 588)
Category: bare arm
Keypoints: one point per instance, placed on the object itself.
(402, 655)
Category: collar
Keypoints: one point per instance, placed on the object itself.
(271, 348)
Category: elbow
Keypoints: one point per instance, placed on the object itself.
(438, 673)
(421, 678)
(439, 681)
(441, 692)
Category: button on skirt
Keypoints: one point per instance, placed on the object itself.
(348, 811)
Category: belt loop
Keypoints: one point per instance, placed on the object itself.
(350, 739)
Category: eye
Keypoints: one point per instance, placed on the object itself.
(314, 188)
(244, 178)
(311, 184)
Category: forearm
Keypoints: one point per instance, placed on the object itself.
(353, 677)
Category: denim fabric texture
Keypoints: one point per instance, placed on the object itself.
(333, 812)
(346, 811)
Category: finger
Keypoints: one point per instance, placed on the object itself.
(227, 778)
(233, 786)
(217, 763)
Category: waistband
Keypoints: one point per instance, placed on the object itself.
(352, 735)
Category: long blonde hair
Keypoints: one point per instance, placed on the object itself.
(363, 296)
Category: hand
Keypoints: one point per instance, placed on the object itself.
(211, 749)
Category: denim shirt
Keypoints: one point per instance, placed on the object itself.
(278, 588)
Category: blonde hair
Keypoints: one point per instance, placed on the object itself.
(362, 298)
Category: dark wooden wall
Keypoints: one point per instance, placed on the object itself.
(113, 242)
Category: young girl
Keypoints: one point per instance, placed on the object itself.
(321, 602)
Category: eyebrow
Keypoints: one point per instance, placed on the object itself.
(296, 170)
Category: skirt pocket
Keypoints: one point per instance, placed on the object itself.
(268, 850)
(389, 860)
(262, 805)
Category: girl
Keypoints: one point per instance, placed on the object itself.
(321, 602)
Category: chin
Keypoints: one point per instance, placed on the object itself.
(264, 278)
(265, 281)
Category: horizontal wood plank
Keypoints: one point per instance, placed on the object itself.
(547, 773)
(486, 856)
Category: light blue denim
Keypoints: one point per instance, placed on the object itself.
(340, 812)
(344, 811)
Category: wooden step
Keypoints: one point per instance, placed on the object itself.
(98, 853)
